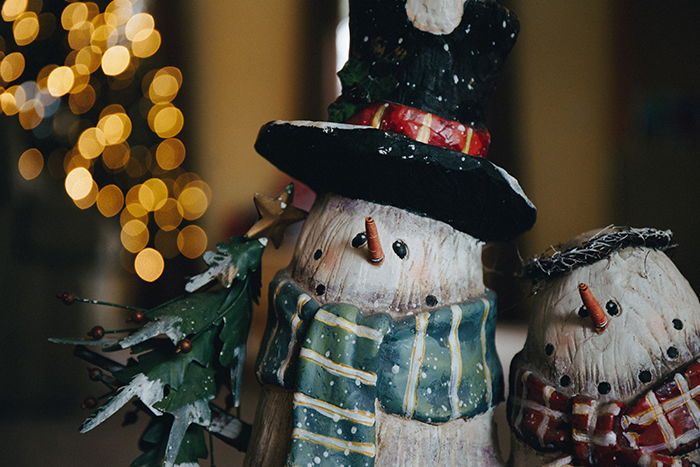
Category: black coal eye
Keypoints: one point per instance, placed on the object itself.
(645, 376)
(400, 249)
(612, 308)
(677, 324)
(359, 240)
(318, 254)
(672, 352)
(583, 312)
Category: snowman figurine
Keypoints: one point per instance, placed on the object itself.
(379, 348)
(608, 375)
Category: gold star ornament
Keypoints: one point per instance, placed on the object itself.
(276, 214)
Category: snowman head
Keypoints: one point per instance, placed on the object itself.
(650, 319)
(423, 263)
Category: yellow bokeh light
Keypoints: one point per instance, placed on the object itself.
(170, 154)
(168, 217)
(26, 28)
(115, 60)
(202, 185)
(153, 194)
(30, 114)
(12, 67)
(78, 183)
(60, 81)
(126, 216)
(167, 121)
(118, 12)
(74, 14)
(182, 181)
(104, 36)
(91, 143)
(149, 264)
(166, 243)
(115, 127)
(110, 200)
(30, 164)
(133, 205)
(145, 45)
(11, 9)
(90, 199)
(82, 78)
(8, 103)
(83, 101)
(192, 241)
(90, 57)
(79, 36)
(193, 202)
(139, 24)
(117, 156)
(134, 235)
(163, 88)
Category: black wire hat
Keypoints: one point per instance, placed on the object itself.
(409, 125)
(601, 245)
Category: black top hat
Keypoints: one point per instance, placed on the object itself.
(414, 92)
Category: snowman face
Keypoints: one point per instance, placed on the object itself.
(653, 315)
(426, 264)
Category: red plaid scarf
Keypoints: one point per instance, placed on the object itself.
(662, 423)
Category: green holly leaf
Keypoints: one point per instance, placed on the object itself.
(198, 383)
(235, 260)
(164, 365)
(154, 440)
(354, 72)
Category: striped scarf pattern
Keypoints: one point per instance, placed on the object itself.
(432, 367)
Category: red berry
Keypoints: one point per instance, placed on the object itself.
(95, 374)
(97, 332)
(89, 403)
(137, 317)
(67, 297)
(184, 346)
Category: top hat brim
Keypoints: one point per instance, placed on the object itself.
(469, 193)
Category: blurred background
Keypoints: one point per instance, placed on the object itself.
(127, 132)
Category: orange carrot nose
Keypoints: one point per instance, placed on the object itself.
(600, 319)
(376, 254)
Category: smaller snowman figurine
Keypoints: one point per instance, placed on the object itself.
(609, 373)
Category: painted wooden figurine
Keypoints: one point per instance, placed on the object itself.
(608, 375)
(379, 347)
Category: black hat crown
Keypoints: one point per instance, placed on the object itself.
(452, 75)
(412, 111)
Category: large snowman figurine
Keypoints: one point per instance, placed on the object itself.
(379, 348)
(608, 375)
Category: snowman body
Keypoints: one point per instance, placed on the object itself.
(653, 316)
(372, 366)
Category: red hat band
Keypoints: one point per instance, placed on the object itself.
(424, 127)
